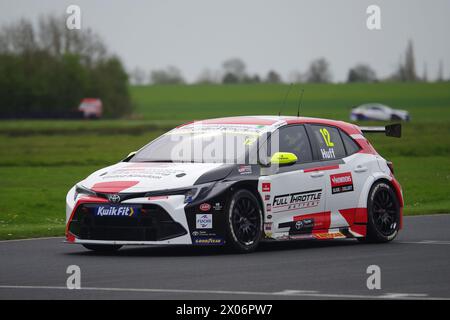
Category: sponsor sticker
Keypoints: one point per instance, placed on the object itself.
(116, 211)
(267, 197)
(268, 207)
(331, 235)
(208, 241)
(245, 169)
(268, 226)
(301, 226)
(266, 187)
(298, 200)
(203, 233)
(203, 221)
(341, 182)
(299, 237)
(218, 206)
(205, 207)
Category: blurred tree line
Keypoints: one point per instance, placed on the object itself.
(46, 69)
(234, 71)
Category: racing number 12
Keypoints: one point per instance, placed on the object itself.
(326, 137)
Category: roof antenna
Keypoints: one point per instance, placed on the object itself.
(300, 102)
(285, 98)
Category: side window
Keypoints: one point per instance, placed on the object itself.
(295, 140)
(350, 145)
(329, 142)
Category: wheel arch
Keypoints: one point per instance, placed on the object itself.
(389, 180)
(251, 186)
(378, 177)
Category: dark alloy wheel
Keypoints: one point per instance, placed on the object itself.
(102, 247)
(244, 221)
(383, 211)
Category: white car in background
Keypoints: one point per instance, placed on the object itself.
(378, 112)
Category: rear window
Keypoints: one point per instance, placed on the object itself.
(328, 141)
(350, 145)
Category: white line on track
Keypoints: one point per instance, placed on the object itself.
(425, 242)
(290, 293)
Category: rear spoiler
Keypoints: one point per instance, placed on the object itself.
(391, 130)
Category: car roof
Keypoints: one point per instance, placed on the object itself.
(274, 122)
(373, 104)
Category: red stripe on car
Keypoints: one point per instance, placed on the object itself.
(349, 215)
(322, 168)
(79, 202)
(360, 215)
(113, 186)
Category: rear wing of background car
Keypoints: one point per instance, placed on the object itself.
(391, 130)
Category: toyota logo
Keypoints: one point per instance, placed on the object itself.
(114, 198)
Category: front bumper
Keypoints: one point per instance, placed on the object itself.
(170, 220)
(162, 221)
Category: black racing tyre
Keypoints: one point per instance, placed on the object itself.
(102, 247)
(383, 213)
(244, 222)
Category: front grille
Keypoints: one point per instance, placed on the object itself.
(153, 224)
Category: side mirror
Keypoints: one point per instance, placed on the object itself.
(129, 156)
(283, 158)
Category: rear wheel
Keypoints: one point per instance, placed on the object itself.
(102, 247)
(383, 213)
(244, 222)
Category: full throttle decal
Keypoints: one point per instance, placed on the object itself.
(341, 182)
(298, 200)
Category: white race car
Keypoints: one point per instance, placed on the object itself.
(238, 181)
(378, 112)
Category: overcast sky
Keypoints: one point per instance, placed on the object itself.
(284, 35)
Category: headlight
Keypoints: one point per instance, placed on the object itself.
(83, 191)
(197, 192)
(190, 194)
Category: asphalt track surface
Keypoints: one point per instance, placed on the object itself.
(414, 266)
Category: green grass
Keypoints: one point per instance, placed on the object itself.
(31, 199)
(425, 101)
(37, 171)
(41, 160)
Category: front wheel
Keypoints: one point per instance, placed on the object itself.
(244, 222)
(383, 213)
(102, 247)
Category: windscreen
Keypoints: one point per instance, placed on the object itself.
(203, 145)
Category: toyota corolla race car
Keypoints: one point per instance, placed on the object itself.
(378, 112)
(238, 181)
